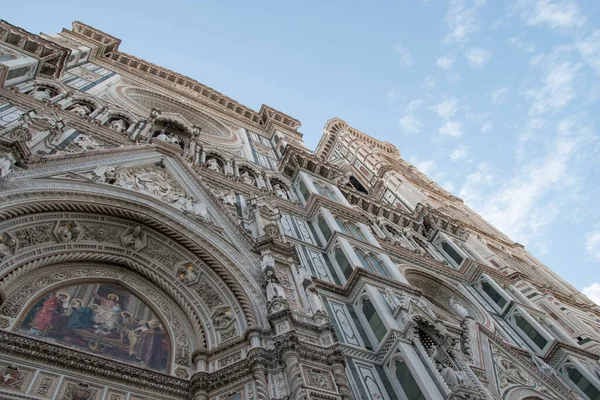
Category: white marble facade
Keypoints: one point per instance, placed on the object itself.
(154, 248)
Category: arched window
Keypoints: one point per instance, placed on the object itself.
(583, 383)
(407, 382)
(342, 225)
(343, 263)
(373, 319)
(371, 263)
(354, 231)
(326, 191)
(350, 229)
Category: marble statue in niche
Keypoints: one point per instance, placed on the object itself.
(118, 125)
(213, 165)
(458, 308)
(81, 110)
(43, 93)
(100, 318)
(273, 286)
(279, 191)
(246, 178)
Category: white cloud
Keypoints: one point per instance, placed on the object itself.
(459, 153)
(477, 57)
(589, 48)
(409, 123)
(559, 14)
(428, 83)
(445, 62)
(498, 95)
(449, 186)
(557, 90)
(486, 127)
(404, 54)
(447, 108)
(451, 128)
(428, 167)
(462, 20)
(593, 292)
(524, 205)
(521, 45)
(592, 245)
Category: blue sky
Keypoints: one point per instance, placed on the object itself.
(497, 101)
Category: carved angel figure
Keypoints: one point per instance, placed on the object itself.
(67, 232)
(187, 274)
(6, 246)
(134, 239)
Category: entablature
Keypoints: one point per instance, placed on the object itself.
(53, 57)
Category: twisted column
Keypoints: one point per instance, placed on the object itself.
(339, 376)
(294, 374)
(260, 378)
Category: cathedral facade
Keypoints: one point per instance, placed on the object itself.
(159, 240)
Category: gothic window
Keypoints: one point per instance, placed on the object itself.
(350, 229)
(343, 263)
(452, 253)
(493, 294)
(342, 225)
(324, 227)
(583, 383)
(356, 232)
(407, 382)
(371, 262)
(530, 331)
(326, 191)
(373, 319)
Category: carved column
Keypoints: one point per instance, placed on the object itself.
(339, 375)
(59, 97)
(199, 380)
(294, 374)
